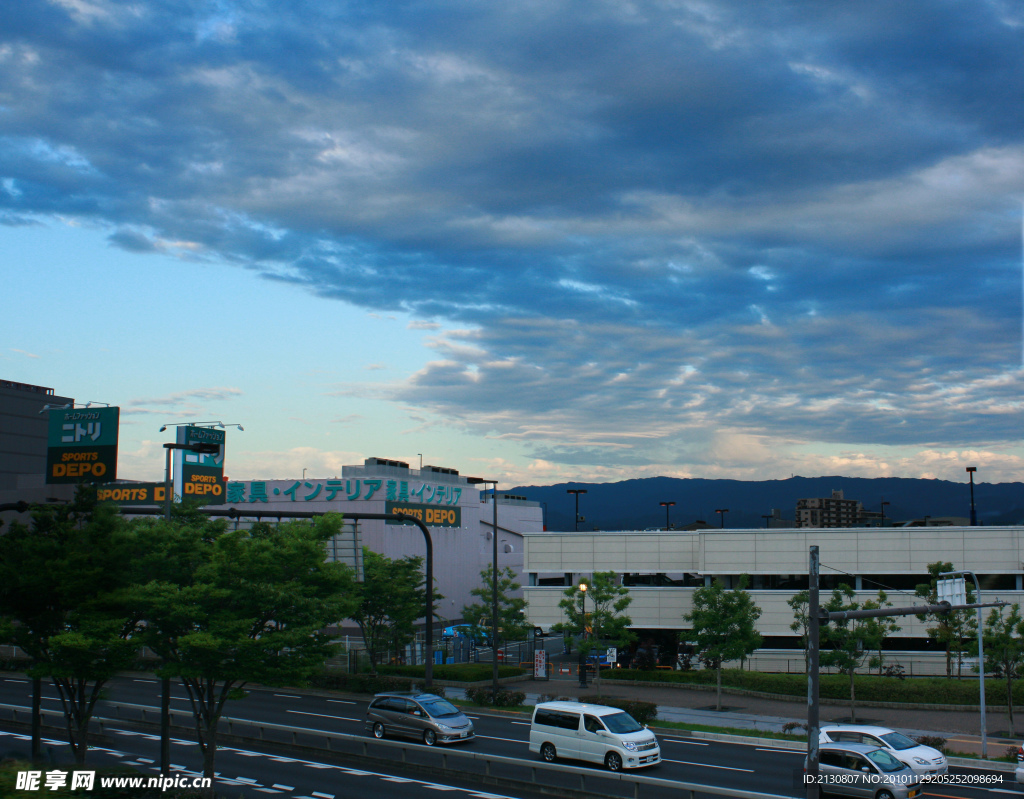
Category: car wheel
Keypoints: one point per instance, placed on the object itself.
(547, 752)
(429, 737)
(378, 730)
(613, 761)
(884, 795)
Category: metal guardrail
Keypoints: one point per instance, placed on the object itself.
(450, 758)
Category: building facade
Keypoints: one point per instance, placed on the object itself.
(834, 511)
(663, 568)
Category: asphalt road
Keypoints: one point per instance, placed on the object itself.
(253, 772)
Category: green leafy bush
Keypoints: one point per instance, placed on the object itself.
(455, 672)
(359, 683)
(504, 697)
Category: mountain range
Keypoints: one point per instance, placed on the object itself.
(634, 504)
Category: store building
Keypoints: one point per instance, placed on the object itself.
(663, 568)
(459, 517)
(23, 441)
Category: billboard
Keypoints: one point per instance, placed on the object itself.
(82, 445)
(200, 475)
(132, 493)
(430, 515)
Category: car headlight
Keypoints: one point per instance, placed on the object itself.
(443, 727)
(922, 761)
(629, 745)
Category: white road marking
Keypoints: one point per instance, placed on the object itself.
(288, 696)
(681, 741)
(524, 723)
(321, 715)
(507, 740)
(708, 765)
(343, 701)
(283, 787)
(323, 795)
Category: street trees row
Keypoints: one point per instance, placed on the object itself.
(83, 591)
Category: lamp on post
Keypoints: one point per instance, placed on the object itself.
(974, 516)
(884, 503)
(494, 581)
(583, 633)
(721, 515)
(981, 652)
(667, 505)
(577, 492)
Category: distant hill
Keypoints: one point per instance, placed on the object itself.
(633, 504)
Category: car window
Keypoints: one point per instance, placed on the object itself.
(854, 762)
(621, 723)
(440, 708)
(592, 724)
(870, 739)
(852, 737)
(885, 761)
(829, 758)
(898, 740)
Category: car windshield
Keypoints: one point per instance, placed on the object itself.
(621, 722)
(440, 708)
(884, 760)
(898, 740)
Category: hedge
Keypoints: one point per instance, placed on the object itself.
(503, 698)
(455, 672)
(869, 688)
(643, 712)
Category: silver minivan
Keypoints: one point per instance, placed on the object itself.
(597, 733)
(426, 717)
(855, 769)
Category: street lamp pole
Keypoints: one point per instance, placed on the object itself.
(494, 583)
(974, 516)
(981, 655)
(583, 633)
(577, 492)
(721, 515)
(667, 505)
(884, 503)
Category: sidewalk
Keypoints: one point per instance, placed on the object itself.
(961, 729)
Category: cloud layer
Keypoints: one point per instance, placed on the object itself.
(650, 233)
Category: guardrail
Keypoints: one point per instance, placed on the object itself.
(494, 769)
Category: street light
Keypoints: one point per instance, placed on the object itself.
(767, 520)
(494, 583)
(667, 505)
(981, 652)
(577, 492)
(974, 517)
(583, 622)
(721, 515)
(196, 447)
(884, 503)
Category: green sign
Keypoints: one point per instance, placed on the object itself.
(200, 475)
(82, 445)
(430, 515)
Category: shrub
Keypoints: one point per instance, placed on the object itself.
(359, 683)
(790, 727)
(643, 712)
(504, 697)
(455, 672)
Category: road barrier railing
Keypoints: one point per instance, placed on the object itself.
(571, 781)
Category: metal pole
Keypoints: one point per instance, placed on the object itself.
(167, 485)
(981, 659)
(813, 717)
(165, 725)
(494, 597)
(974, 516)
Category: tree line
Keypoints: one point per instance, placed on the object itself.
(86, 593)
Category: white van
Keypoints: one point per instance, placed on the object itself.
(596, 733)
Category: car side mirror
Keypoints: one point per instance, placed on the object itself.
(865, 769)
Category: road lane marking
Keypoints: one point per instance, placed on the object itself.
(343, 701)
(681, 741)
(781, 751)
(283, 787)
(321, 715)
(707, 765)
(524, 723)
(288, 696)
(506, 740)
(322, 795)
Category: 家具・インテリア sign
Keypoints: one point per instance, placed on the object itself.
(82, 445)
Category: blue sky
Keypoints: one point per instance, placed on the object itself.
(540, 241)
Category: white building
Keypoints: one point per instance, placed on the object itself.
(459, 518)
(663, 568)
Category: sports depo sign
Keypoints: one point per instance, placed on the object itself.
(82, 445)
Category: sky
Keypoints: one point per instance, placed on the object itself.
(537, 242)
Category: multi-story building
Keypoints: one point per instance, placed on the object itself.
(23, 439)
(834, 511)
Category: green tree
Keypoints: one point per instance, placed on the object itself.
(846, 643)
(724, 625)
(955, 630)
(879, 628)
(512, 623)
(1003, 638)
(241, 606)
(799, 603)
(58, 580)
(390, 599)
(596, 615)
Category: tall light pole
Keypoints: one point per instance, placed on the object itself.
(767, 521)
(583, 633)
(981, 652)
(577, 492)
(721, 515)
(667, 505)
(884, 503)
(494, 583)
(974, 516)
